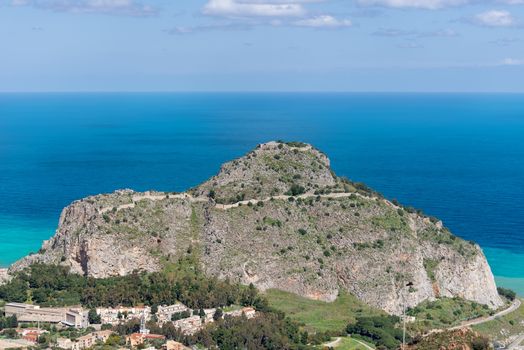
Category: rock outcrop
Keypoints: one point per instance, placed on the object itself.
(278, 218)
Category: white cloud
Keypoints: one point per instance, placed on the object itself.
(114, 7)
(410, 45)
(505, 41)
(324, 21)
(512, 62)
(395, 33)
(495, 18)
(422, 4)
(235, 8)
(512, 2)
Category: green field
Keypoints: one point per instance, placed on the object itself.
(503, 327)
(318, 315)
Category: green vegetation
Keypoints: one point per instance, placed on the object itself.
(390, 221)
(56, 286)
(295, 190)
(430, 266)
(8, 322)
(267, 331)
(348, 343)
(507, 293)
(459, 339)
(294, 144)
(318, 315)
(380, 330)
(504, 326)
(444, 312)
(378, 244)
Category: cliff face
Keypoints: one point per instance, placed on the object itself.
(279, 218)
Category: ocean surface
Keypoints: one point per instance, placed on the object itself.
(459, 157)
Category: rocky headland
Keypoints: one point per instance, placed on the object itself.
(277, 217)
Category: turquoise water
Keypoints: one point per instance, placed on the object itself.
(458, 157)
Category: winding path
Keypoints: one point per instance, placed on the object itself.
(158, 197)
(337, 340)
(514, 306)
(516, 343)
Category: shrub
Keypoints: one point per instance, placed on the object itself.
(380, 330)
(480, 343)
(302, 231)
(295, 190)
(506, 293)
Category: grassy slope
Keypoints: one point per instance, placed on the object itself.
(503, 327)
(319, 315)
(348, 343)
(444, 312)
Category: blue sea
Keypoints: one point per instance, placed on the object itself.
(459, 157)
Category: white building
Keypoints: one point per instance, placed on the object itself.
(122, 314)
(165, 312)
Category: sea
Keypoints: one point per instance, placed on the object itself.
(459, 157)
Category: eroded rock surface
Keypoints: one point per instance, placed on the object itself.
(298, 227)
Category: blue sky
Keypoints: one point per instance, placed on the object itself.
(262, 45)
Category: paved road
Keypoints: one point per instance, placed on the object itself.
(516, 343)
(514, 306)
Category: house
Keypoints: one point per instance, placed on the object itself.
(45, 315)
(91, 339)
(64, 343)
(249, 312)
(76, 318)
(165, 312)
(27, 313)
(136, 339)
(30, 334)
(122, 314)
(189, 325)
(17, 309)
(209, 313)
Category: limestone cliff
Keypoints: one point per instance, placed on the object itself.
(279, 218)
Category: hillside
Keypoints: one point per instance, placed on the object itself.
(280, 218)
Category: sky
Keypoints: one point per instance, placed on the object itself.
(262, 45)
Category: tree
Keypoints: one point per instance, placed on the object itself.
(507, 293)
(154, 309)
(295, 190)
(480, 343)
(93, 317)
(304, 337)
(218, 314)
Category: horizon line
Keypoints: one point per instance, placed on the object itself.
(258, 92)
